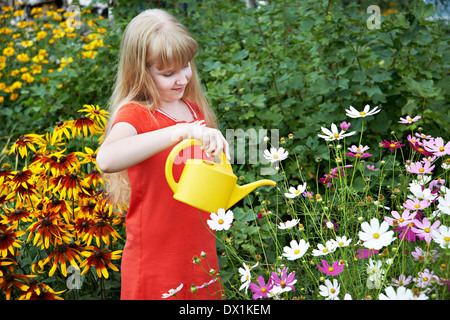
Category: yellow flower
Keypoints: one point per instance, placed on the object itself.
(99, 115)
(27, 77)
(8, 51)
(41, 35)
(23, 57)
(14, 96)
(27, 43)
(19, 13)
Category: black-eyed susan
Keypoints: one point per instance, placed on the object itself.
(94, 178)
(58, 163)
(13, 216)
(48, 229)
(25, 142)
(62, 253)
(85, 125)
(40, 291)
(99, 258)
(81, 225)
(102, 228)
(69, 185)
(89, 156)
(62, 207)
(9, 240)
(10, 280)
(62, 129)
(96, 113)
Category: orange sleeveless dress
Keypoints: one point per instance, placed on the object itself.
(162, 234)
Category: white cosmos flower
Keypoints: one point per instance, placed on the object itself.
(374, 235)
(341, 241)
(294, 192)
(334, 134)
(353, 113)
(275, 154)
(296, 250)
(246, 277)
(221, 220)
(288, 224)
(402, 294)
(322, 250)
(330, 290)
(172, 292)
(442, 236)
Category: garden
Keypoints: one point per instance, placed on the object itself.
(349, 117)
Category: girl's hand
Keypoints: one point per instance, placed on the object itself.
(213, 140)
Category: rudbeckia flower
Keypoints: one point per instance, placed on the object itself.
(94, 112)
(8, 240)
(86, 126)
(40, 291)
(12, 279)
(99, 258)
(61, 253)
(27, 142)
(48, 229)
(353, 113)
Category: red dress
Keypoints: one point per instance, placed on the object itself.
(163, 234)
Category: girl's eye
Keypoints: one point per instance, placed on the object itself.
(168, 74)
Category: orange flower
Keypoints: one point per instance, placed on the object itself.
(40, 291)
(69, 185)
(59, 164)
(8, 240)
(26, 141)
(8, 280)
(49, 229)
(61, 253)
(99, 258)
(85, 124)
(102, 228)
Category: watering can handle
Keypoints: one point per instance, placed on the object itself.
(174, 153)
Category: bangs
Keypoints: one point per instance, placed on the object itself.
(172, 50)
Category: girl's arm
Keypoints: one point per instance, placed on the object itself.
(124, 148)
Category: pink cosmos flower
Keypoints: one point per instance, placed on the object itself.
(372, 168)
(392, 145)
(358, 152)
(401, 220)
(286, 281)
(420, 168)
(402, 281)
(424, 229)
(437, 147)
(345, 125)
(416, 204)
(365, 253)
(409, 120)
(420, 255)
(263, 290)
(424, 278)
(332, 270)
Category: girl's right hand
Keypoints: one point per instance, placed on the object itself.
(213, 140)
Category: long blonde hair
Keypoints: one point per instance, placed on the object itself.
(152, 38)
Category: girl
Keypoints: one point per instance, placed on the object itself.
(157, 102)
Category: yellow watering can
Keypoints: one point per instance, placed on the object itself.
(207, 185)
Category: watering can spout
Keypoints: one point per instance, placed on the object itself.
(239, 192)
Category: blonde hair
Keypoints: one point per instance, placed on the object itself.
(152, 38)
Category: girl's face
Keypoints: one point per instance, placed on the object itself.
(171, 83)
